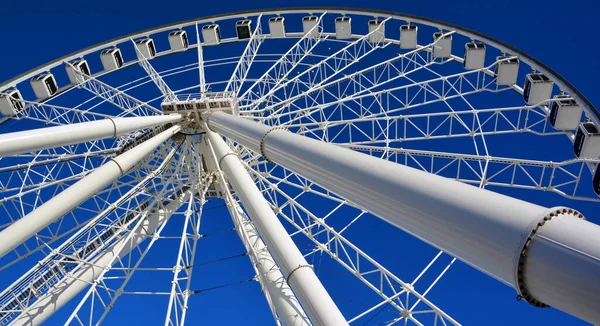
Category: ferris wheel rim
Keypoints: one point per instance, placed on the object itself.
(562, 82)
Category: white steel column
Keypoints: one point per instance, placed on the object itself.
(278, 292)
(42, 138)
(299, 275)
(70, 287)
(551, 256)
(50, 211)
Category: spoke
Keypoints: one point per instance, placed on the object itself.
(241, 70)
(286, 64)
(154, 75)
(200, 62)
(365, 80)
(331, 66)
(126, 102)
(180, 288)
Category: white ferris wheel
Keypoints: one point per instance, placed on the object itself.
(336, 139)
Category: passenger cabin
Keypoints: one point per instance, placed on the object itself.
(178, 40)
(277, 26)
(537, 88)
(506, 70)
(44, 86)
(243, 28)
(308, 22)
(111, 59)
(408, 36)
(377, 31)
(587, 141)
(145, 48)
(10, 103)
(343, 29)
(474, 57)
(443, 45)
(82, 67)
(565, 113)
(211, 34)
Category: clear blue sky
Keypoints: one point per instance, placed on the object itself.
(560, 34)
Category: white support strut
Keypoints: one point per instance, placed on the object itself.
(42, 138)
(287, 306)
(299, 274)
(27, 226)
(70, 287)
(550, 256)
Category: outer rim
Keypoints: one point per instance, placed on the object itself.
(563, 83)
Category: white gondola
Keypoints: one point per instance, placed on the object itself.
(377, 30)
(343, 29)
(587, 141)
(145, 48)
(537, 88)
(44, 86)
(111, 59)
(565, 113)
(81, 65)
(474, 57)
(506, 70)
(178, 40)
(277, 26)
(443, 45)
(308, 23)
(243, 28)
(408, 36)
(10, 103)
(211, 34)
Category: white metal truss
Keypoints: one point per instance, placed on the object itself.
(243, 67)
(154, 75)
(281, 69)
(129, 104)
(326, 69)
(184, 266)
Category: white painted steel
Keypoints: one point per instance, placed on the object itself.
(286, 304)
(42, 138)
(482, 228)
(563, 264)
(50, 211)
(68, 288)
(299, 275)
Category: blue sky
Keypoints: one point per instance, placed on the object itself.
(559, 34)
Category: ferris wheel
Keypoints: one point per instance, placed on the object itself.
(335, 139)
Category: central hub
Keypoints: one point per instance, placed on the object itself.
(192, 106)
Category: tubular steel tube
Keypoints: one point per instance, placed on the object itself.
(42, 138)
(550, 256)
(27, 226)
(286, 303)
(299, 275)
(69, 287)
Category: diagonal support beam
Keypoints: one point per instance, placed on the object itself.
(276, 289)
(154, 75)
(299, 275)
(550, 256)
(42, 138)
(245, 63)
(50, 211)
(126, 102)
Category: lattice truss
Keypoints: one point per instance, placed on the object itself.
(364, 93)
